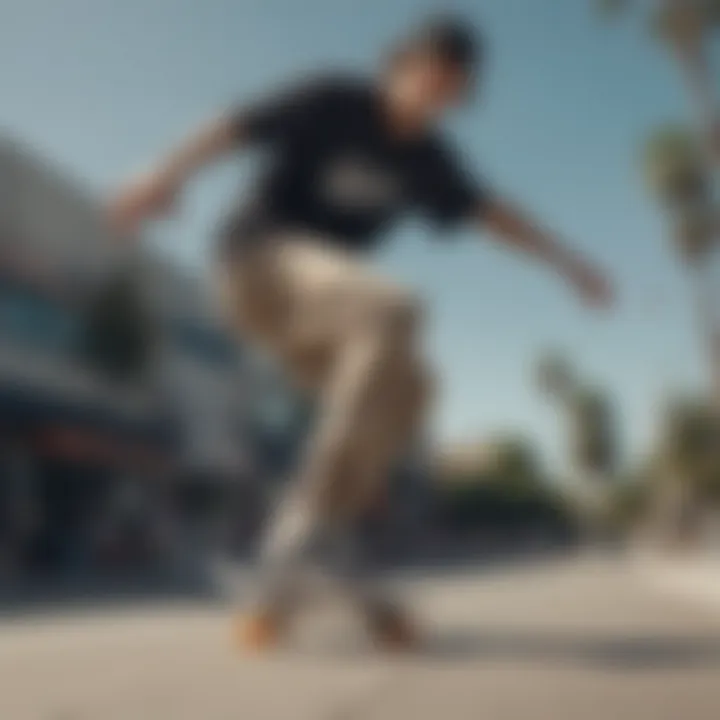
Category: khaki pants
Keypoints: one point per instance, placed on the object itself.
(349, 336)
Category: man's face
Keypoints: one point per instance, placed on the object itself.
(427, 86)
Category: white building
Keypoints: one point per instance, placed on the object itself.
(54, 248)
(50, 225)
(51, 244)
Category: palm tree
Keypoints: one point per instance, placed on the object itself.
(689, 439)
(679, 166)
(674, 169)
(676, 175)
(687, 467)
(591, 442)
(685, 25)
(679, 169)
(589, 417)
(594, 445)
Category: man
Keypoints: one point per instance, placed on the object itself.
(346, 157)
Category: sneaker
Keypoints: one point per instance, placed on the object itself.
(258, 632)
(393, 630)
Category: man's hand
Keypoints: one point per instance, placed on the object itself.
(155, 194)
(147, 197)
(593, 287)
(513, 228)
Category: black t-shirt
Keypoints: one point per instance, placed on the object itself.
(335, 168)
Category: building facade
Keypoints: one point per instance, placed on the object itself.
(83, 454)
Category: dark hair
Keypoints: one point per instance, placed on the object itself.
(451, 39)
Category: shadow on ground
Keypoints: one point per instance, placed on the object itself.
(611, 653)
(622, 654)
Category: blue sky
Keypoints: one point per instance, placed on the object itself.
(102, 86)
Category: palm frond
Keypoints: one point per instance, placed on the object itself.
(674, 169)
(681, 24)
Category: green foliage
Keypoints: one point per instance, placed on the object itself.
(690, 447)
(682, 477)
(676, 174)
(592, 426)
(510, 460)
(674, 168)
(594, 437)
(682, 24)
(695, 233)
(630, 502)
(509, 494)
(118, 334)
(497, 506)
(678, 171)
(516, 462)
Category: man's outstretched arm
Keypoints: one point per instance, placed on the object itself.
(278, 116)
(515, 229)
(155, 193)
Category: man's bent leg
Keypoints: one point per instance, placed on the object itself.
(391, 419)
(328, 497)
(390, 427)
(368, 341)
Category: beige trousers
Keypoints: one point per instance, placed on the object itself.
(349, 336)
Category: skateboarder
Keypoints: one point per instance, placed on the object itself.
(345, 157)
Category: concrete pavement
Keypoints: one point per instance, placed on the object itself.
(694, 578)
(572, 640)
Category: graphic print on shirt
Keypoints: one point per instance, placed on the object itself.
(355, 184)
